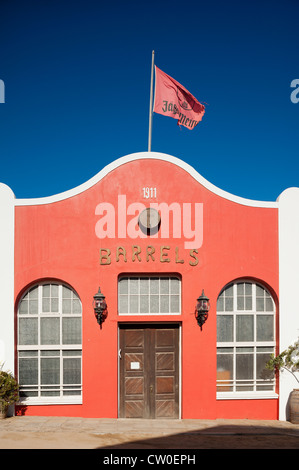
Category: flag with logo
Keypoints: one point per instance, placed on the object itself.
(172, 99)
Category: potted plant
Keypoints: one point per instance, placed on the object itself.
(289, 360)
(9, 391)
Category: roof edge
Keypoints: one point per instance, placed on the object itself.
(138, 156)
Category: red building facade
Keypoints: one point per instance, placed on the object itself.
(149, 357)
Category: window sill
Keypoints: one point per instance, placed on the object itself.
(50, 401)
(246, 396)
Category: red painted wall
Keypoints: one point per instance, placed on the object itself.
(58, 241)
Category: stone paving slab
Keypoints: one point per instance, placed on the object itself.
(35, 432)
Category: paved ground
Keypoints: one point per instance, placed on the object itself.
(28, 432)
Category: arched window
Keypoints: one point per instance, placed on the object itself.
(50, 345)
(245, 340)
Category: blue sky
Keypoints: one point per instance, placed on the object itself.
(77, 88)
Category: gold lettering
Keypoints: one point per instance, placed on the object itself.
(120, 250)
(177, 260)
(136, 250)
(105, 257)
(193, 263)
(150, 250)
(163, 256)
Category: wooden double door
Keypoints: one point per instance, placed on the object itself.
(149, 371)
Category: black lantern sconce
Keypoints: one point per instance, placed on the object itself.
(100, 307)
(202, 309)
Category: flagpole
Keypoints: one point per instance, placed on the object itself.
(151, 106)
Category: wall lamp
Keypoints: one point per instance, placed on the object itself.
(202, 309)
(100, 307)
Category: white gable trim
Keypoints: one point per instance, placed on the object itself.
(138, 156)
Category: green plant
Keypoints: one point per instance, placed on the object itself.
(288, 360)
(9, 390)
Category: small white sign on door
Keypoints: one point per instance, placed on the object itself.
(135, 365)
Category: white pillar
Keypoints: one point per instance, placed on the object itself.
(7, 222)
(288, 286)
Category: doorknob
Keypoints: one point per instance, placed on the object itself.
(151, 389)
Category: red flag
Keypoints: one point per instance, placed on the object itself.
(172, 99)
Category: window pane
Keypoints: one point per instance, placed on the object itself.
(240, 303)
(28, 333)
(144, 304)
(33, 293)
(164, 304)
(144, 286)
(28, 371)
(248, 289)
(133, 286)
(261, 371)
(33, 307)
(77, 306)
(260, 291)
(260, 304)
(50, 371)
(23, 309)
(244, 369)
(123, 285)
(66, 293)
(71, 330)
(264, 328)
(123, 304)
(269, 305)
(225, 362)
(244, 366)
(248, 303)
(50, 352)
(229, 291)
(220, 304)
(175, 304)
(46, 305)
(154, 300)
(240, 289)
(67, 306)
(229, 304)
(154, 285)
(224, 372)
(54, 305)
(134, 304)
(54, 290)
(50, 330)
(224, 328)
(71, 371)
(244, 328)
(46, 290)
(244, 296)
(164, 286)
(174, 286)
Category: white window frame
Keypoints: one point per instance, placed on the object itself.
(40, 349)
(234, 345)
(149, 276)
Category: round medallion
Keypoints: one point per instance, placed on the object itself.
(149, 221)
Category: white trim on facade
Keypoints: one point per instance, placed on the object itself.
(7, 235)
(138, 156)
(288, 286)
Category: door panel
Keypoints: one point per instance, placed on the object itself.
(149, 371)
